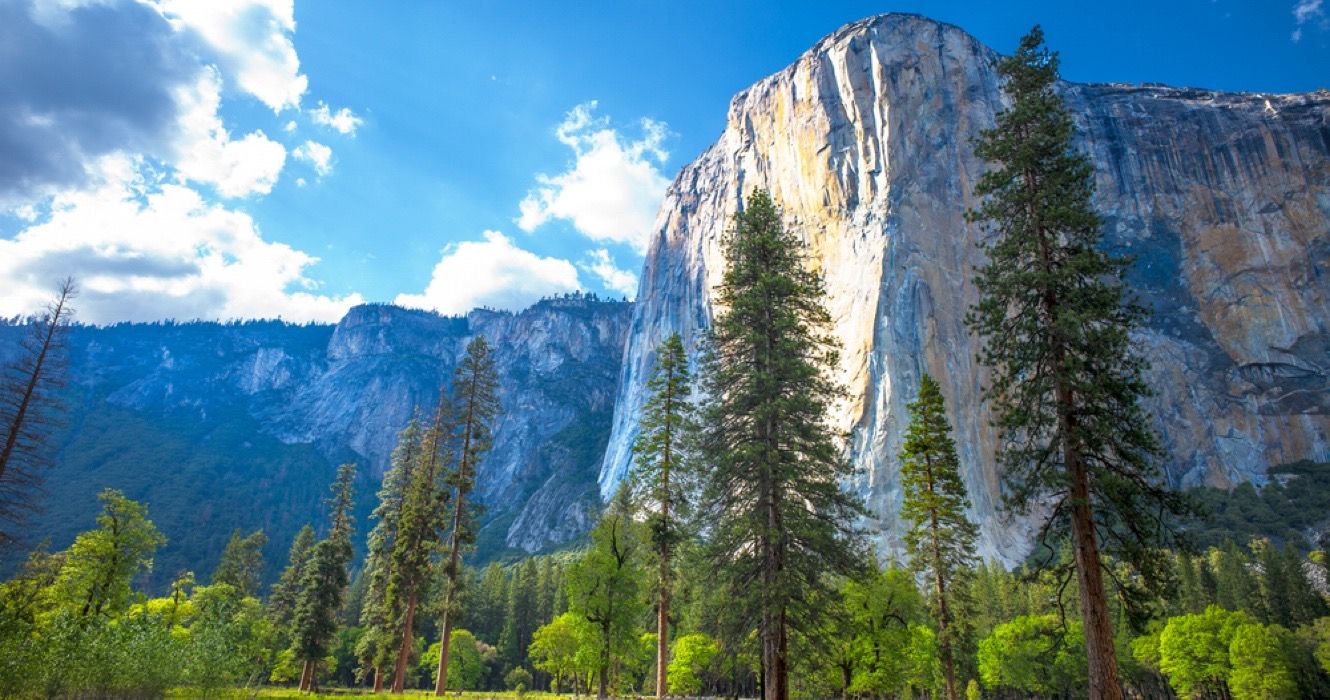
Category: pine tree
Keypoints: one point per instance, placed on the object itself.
(418, 536)
(282, 598)
(476, 398)
(780, 523)
(241, 564)
(1066, 382)
(491, 602)
(604, 586)
(941, 538)
(29, 407)
(324, 582)
(376, 647)
(658, 475)
(519, 614)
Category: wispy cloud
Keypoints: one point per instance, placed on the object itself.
(1308, 12)
(599, 263)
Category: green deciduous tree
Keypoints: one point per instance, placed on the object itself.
(1260, 656)
(475, 395)
(692, 658)
(324, 582)
(1194, 650)
(241, 564)
(659, 477)
(1066, 382)
(605, 587)
(557, 647)
(99, 567)
(941, 538)
(779, 521)
(1035, 654)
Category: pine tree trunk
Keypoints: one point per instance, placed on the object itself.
(663, 610)
(454, 560)
(30, 389)
(940, 588)
(1099, 648)
(306, 676)
(662, 643)
(378, 680)
(404, 650)
(445, 646)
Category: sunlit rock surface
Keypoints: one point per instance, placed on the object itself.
(865, 141)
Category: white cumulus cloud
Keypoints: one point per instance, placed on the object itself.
(316, 154)
(146, 249)
(612, 189)
(599, 263)
(491, 272)
(343, 121)
(206, 153)
(250, 41)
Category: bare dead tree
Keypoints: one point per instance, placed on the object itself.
(30, 409)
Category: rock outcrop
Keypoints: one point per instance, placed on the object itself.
(866, 143)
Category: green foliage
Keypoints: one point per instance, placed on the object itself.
(605, 587)
(282, 599)
(1260, 656)
(1294, 501)
(241, 565)
(1194, 649)
(467, 661)
(690, 659)
(98, 568)
(518, 679)
(563, 647)
(1035, 654)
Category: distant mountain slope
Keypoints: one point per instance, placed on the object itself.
(219, 426)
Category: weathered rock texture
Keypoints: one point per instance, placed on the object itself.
(865, 141)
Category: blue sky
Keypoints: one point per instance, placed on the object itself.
(270, 158)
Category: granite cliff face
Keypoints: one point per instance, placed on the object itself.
(865, 141)
(219, 426)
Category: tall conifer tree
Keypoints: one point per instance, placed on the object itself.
(780, 522)
(376, 648)
(418, 533)
(476, 400)
(282, 598)
(941, 538)
(324, 582)
(1066, 382)
(241, 564)
(658, 476)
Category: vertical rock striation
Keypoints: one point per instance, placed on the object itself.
(865, 141)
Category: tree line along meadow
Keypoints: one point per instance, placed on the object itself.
(730, 562)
